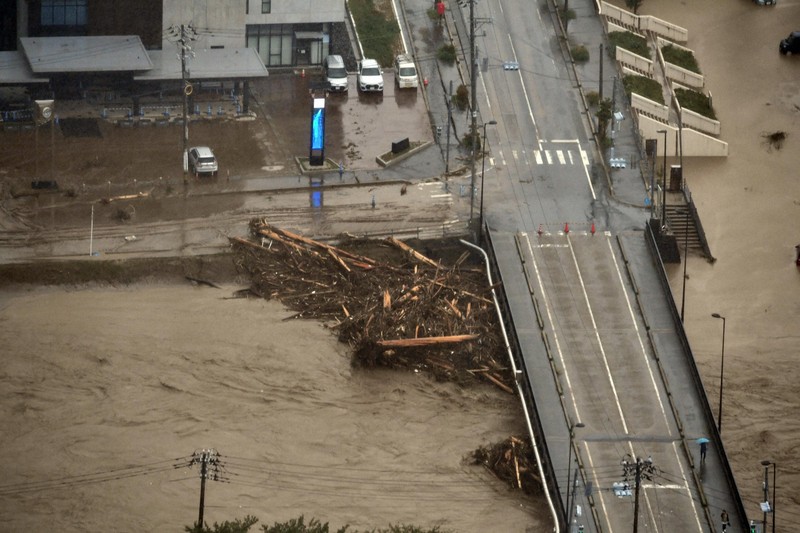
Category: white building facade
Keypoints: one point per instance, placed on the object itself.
(285, 33)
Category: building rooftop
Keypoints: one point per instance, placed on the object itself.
(205, 64)
(116, 53)
(14, 69)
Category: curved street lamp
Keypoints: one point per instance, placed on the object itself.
(483, 169)
(766, 464)
(721, 371)
(568, 506)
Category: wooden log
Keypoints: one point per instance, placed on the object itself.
(322, 245)
(274, 236)
(126, 197)
(415, 254)
(440, 364)
(245, 242)
(499, 383)
(425, 341)
(408, 294)
(452, 306)
(516, 464)
(203, 282)
(338, 259)
(387, 299)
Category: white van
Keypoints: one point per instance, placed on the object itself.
(405, 72)
(335, 73)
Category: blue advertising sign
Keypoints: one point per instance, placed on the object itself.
(317, 153)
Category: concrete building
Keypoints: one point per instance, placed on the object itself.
(285, 33)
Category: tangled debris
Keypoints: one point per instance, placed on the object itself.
(512, 461)
(405, 311)
(774, 140)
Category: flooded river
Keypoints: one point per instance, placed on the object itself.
(107, 389)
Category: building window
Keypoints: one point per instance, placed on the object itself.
(266, 6)
(64, 13)
(273, 42)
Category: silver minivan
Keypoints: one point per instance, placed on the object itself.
(335, 73)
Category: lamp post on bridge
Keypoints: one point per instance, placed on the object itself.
(568, 506)
(770, 506)
(721, 371)
(664, 183)
(483, 170)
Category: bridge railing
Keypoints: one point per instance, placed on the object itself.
(708, 414)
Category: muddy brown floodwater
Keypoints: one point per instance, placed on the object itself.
(104, 382)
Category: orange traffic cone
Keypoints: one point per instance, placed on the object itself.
(592, 230)
(540, 230)
(566, 227)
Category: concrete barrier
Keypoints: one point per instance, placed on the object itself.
(634, 62)
(645, 23)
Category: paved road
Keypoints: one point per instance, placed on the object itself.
(587, 337)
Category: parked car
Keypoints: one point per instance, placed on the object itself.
(765, 2)
(791, 44)
(202, 160)
(405, 72)
(335, 74)
(370, 76)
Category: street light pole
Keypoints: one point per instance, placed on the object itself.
(473, 103)
(685, 260)
(568, 505)
(721, 371)
(483, 170)
(664, 183)
(767, 464)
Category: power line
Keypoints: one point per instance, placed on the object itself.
(94, 477)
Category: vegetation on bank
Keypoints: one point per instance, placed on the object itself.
(680, 57)
(643, 86)
(695, 101)
(297, 525)
(630, 42)
(377, 31)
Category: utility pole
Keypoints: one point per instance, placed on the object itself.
(449, 119)
(641, 468)
(186, 34)
(208, 461)
(474, 104)
(765, 506)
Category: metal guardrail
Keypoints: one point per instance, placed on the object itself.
(696, 378)
(550, 480)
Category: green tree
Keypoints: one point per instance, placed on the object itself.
(237, 526)
(634, 4)
(604, 115)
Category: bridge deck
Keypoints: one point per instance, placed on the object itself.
(600, 346)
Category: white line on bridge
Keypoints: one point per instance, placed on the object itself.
(643, 352)
(525, 92)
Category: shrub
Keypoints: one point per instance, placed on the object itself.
(580, 54)
(695, 101)
(629, 41)
(466, 141)
(461, 98)
(447, 53)
(643, 86)
(592, 98)
(681, 57)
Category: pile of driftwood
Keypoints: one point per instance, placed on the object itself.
(513, 462)
(405, 310)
